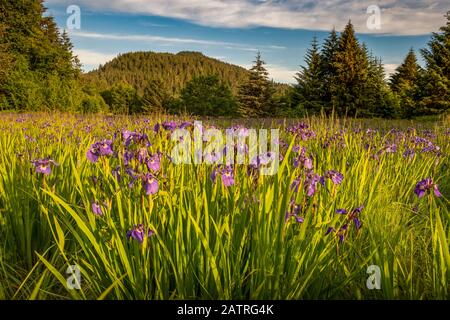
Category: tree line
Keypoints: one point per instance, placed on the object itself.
(39, 71)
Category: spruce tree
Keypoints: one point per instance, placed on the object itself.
(255, 94)
(436, 82)
(328, 56)
(379, 99)
(405, 84)
(308, 92)
(42, 71)
(351, 67)
(154, 97)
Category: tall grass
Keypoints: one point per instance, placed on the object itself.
(213, 241)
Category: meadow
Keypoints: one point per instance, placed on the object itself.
(104, 194)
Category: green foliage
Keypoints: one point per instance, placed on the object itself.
(308, 92)
(122, 98)
(207, 96)
(436, 82)
(155, 98)
(255, 94)
(39, 70)
(214, 242)
(170, 71)
(405, 83)
(351, 73)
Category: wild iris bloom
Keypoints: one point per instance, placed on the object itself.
(341, 233)
(139, 232)
(169, 125)
(43, 165)
(96, 208)
(427, 184)
(142, 154)
(352, 215)
(135, 137)
(294, 212)
(154, 162)
(303, 160)
(227, 177)
(335, 176)
(311, 181)
(102, 148)
(150, 184)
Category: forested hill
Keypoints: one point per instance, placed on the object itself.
(172, 71)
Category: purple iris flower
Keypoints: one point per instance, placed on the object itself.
(352, 215)
(150, 184)
(44, 165)
(135, 137)
(425, 185)
(294, 212)
(408, 153)
(335, 176)
(341, 233)
(96, 208)
(227, 177)
(142, 154)
(302, 130)
(154, 162)
(213, 157)
(311, 181)
(105, 148)
(139, 232)
(185, 124)
(169, 125)
(303, 160)
(101, 148)
(127, 157)
(213, 175)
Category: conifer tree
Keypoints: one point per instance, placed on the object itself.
(42, 71)
(255, 94)
(328, 56)
(405, 84)
(308, 90)
(154, 97)
(351, 67)
(436, 82)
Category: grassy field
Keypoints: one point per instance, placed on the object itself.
(68, 197)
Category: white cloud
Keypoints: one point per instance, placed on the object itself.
(166, 40)
(277, 72)
(281, 74)
(389, 68)
(403, 17)
(91, 59)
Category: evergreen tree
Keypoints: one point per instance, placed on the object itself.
(308, 92)
(436, 82)
(122, 98)
(255, 95)
(41, 71)
(405, 84)
(155, 97)
(351, 68)
(207, 96)
(328, 56)
(379, 99)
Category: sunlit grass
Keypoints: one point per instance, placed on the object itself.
(211, 241)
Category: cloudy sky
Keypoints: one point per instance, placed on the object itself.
(233, 30)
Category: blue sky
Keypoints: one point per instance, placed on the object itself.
(233, 30)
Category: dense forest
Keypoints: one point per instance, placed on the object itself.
(173, 71)
(38, 71)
